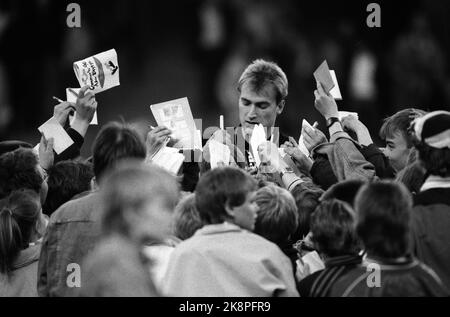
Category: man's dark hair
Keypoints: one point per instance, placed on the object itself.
(19, 170)
(345, 191)
(435, 161)
(333, 229)
(307, 198)
(400, 122)
(383, 218)
(65, 180)
(115, 142)
(219, 187)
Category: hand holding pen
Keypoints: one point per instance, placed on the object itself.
(156, 139)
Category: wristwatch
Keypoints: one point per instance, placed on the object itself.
(331, 121)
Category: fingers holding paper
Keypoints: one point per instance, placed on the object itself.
(312, 137)
(62, 110)
(86, 105)
(325, 103)
(156, 138)
(46, 155)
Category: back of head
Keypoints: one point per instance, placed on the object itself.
(345, 191)
(432, 140)
(400, 122)
(307, 198)
(260, 73)
(9, 146)
(383, 218)
(65, 180)
(277, 216)
(19, 213)
(186, 219)
(19, 170)
(113, 143)
(333, 229)
(130, 187)
(219, 187)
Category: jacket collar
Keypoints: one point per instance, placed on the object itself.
(433, 196)
(27, 256)
(218, 229)
(435, 182)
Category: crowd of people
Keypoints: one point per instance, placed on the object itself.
(349, 219)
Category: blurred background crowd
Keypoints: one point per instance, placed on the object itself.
(198, 48)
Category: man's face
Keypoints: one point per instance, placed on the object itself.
(245, 215)
(258, 107)
(397, 151)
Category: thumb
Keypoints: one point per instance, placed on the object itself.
(50, 144)
(42, 143)
(83, 92)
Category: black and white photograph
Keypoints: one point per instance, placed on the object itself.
(224, 153)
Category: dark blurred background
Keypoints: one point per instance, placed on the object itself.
(198, 48)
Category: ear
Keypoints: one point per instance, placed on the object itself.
(280, 107)
(229, 210)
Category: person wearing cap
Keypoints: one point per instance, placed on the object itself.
(431, 215)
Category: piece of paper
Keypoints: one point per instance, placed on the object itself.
(335, 92)
(169, 159)
(36, 149)
(343, 114)
(52, 129)
(100, 72)
(218, 153)
(176, 115)
(314, 261)
(323, 76)
(301, 142)
(258, 138)
(70, 97)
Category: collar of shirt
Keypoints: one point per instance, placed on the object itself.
(435, 182)
(218, 228)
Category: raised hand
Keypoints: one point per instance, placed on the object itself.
(325, 103)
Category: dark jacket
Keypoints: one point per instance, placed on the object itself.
(320, 283)
(408, 278)
(72, 151)
(71, 234)
(431, 230)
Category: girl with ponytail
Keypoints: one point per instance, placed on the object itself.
(19, 215)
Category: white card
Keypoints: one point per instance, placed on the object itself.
(100, 72)
(335, 92)
(343, 114)
(52, 129)
(218, 153)
(301, 143)
(70, 97)
(169, 159)
(176, 115)
(314, 261)
(258, 138)
(36, 149)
